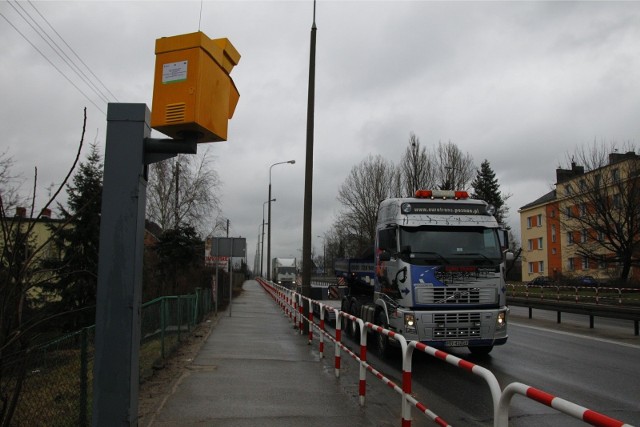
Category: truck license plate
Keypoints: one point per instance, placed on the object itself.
(457, 343)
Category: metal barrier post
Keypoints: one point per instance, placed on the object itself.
(338, 342)
(362, 389)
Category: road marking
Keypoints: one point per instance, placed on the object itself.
(604, 340)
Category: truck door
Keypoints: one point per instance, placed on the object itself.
(387, 261)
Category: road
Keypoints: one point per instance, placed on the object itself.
(597, 369)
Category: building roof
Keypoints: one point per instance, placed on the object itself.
(547, 198)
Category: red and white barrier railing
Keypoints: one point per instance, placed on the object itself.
(292, 304)
(576, 411)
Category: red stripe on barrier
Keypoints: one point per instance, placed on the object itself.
(467, 366)
(363, 353)
(406, 423)
(406, 381)
(598, 419)
(421, 407)
(338, 334)
(421, 347)
(441, 422)
(441, 355)
(337, 362)
(540, 396)
(362, 389)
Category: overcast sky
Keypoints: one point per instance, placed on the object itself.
(521, 84)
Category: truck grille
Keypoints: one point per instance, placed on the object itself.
(458, 295)
(456, 325)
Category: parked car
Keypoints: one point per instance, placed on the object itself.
(586, 281)
(542, 281)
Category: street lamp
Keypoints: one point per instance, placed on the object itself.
(262, 248)
(269, 219)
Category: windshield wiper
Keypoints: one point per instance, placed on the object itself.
(476, 254)
(438, 255)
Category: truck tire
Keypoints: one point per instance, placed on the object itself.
(382, 341)
(481, 350)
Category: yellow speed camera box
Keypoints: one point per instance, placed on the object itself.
(193, 93)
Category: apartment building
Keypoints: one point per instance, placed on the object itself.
(561, 232)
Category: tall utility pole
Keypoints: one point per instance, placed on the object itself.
(308, 176)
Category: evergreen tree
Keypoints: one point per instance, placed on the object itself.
(77, 269)
(485, 187)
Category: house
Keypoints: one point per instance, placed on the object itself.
(566, 232)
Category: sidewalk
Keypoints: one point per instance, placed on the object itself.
(256, 370)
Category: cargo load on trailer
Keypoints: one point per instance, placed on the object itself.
(437, 275)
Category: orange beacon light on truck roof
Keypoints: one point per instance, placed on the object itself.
(193, 94)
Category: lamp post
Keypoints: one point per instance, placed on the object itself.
(269, 219)
(262, 248)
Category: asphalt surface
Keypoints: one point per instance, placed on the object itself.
(255, 369)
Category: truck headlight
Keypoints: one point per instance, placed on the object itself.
(501, 320)
(409, 323)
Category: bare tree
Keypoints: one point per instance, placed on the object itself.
(368, 183)
(195, 202)
(454, 170)
(20, 273)
(416, 170)
(599, 209)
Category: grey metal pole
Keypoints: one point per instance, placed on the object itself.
(308, 181)
(269, 220)
(269, 230)
(119, 293)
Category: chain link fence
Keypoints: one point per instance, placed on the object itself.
(56, 378)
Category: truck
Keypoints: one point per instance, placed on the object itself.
(437, 274)
(284, 271)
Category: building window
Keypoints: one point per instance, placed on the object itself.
(568, 190)
(616, 175)
(569, 237)
(552, 213)
(583, 185)
(529, 222)
(553, 251)
(530, 242)
(602, 263)
(540, 266)
(539, 220)
(569, 213)
(597, 180)
(617, 201)
(531, 268)
(539, 242)
(585, 263)
(570, 265)
(583, 236)
(583, 209)
(600, 236)
(553, 233)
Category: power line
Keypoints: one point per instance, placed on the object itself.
(52, 64)
(103, 93)
(73, 51)
(56, 48)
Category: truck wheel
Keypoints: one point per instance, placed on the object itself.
(382, 341)
(482, 350)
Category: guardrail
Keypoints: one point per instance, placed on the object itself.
(615, 303)
(292, 304)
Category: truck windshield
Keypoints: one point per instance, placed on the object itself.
(451, 243)
(287, 270)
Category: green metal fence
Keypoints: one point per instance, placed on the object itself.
(57, 388)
